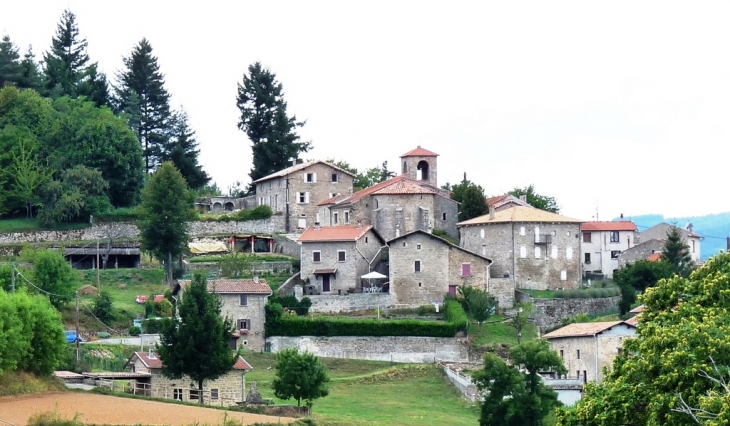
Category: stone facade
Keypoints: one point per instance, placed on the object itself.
(587, 355)
(393, 348)
(351, 302)
(359, 256)
(423, 268)
(550, 313)
(640, 252)
(659, 232)
(420, 164)
(253, 313)
(519, 250)
(296, 191)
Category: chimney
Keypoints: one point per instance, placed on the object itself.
(316, 226)
(359, 224)
(293, 162)
(622, 217)
(491, 213)
(256, 279)
(523, 198)
(690, 227)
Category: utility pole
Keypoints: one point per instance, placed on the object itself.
(12, 277)
(78, 340)
(98, 283)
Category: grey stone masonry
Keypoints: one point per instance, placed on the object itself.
(550, 313)
(640, 252)
(253, 313)
(351, 302)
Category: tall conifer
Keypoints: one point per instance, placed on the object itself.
(10, 69)
(182, 150)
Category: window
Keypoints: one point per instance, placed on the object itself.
(561, 353)
(482, 233)
(244, 324)
(335, 178)
(586, 237)
(276, 202)
(214, 394)
(619, 351)
(538, 252)
(366, 240)
(418, 246)
(316, 256)
(614, 236)
(303, 197)
(569, 253)
(243, 300)
(554, 252)
(347, 217)
(523, 252)
(417, 266)
(443, 216)
(341, 255)
(302, 222)
(615, 253)
(693, 246)
(522, 231)
(177, 394)
(465, 269)
(563, 275)
(311, 177)
(195, 394)
(335, 219)
(578, 353)
(587, 258)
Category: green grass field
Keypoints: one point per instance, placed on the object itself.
(29, 225)
(497, 331)
(377, 393)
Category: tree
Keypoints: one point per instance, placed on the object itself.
(53, 274)
(31, 75)
(104, 308)
(265, 121)
(473, 203)
(536, 200)
(676, 252)
(458, 190)
(522, 318)
(637, 277)
(79, 193)
(11, 71)
(43, 327)
(166, 207)
(684, 331)
(515, 398)
(142, 95)
(197, 344)
(300, 376)
(481, 305)
(29, 175)
(182, 150)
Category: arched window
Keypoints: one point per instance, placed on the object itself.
(405, 168)
(422, 167)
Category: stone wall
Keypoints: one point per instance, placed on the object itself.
(549, 313)
(287, 247)
(351, 302)
(283, 266)
(253, 312)
(503, 290)
(462, 382)
(394, 348)
(431, 282)
(640, 252)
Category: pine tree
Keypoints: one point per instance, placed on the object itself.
(65, 64)
(676, 252)
(182, 150)
(32, 77)
(473, 203)
(94, 86)
(11, 70)
(142, 88)
(265, 121)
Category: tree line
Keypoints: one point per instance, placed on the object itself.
(72, 144)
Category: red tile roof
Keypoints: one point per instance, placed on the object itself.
(405, 186)
(401, 180)
(295, 168)
(637, 310)
(633, 321)
(501, 200)
(234, 286)
(419, 152)
(241, 364)
(624, 225)
(656, 257)
(156, 362)
(519, 214)
(582, 329)
(334, 233)
(334, 200)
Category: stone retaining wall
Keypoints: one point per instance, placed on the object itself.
(354, 302)
(393, 348)
(550, 313)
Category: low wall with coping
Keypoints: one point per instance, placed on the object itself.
(550, 313)
(354, 302)
(392, 348)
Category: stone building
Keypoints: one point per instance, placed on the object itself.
(645, 250)
(333, 258)
(296, 191)
(506, 201)
(534, 248)
(602, 244)
(659, 232)
(243, 301)
(586, 348)
(420, 164)
(229, 389)
(424, 267)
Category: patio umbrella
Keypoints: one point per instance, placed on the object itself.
(373, 276)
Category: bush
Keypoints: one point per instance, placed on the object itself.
(134, 331)
(103, 308)
(122, 214)
(152, 325)
(454, 313)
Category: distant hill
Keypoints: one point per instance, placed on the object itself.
(714, 227)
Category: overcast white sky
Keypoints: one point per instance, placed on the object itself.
(621, 106)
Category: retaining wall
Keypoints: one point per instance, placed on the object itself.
(549, 313)
(350, 302)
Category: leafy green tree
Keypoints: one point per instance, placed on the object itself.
(182, 150)
(300, 376)
(265, 121)
(166, 208)
(77, 194)
(141, 94)
(515, 398)
(43, 328)
(53, 274)
(637, 277)
(481, 305)
(104, 308)
(11, 71)
(458, 190)
(12, 344)
(473, 203)
(197, 345)
(684, 331)
(28, 175)
(536, 200)
(522, 318)
(676, 252)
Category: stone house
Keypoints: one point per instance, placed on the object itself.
(400, 205)
(229, 389)
(659, 232)
(424, 267)
(296, 191)
(645, 250)
(602, 244)
(333, 258)
(533, 248)
(503, 202)
(243, 302)
(586, 348)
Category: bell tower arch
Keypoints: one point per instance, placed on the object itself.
(420, 164)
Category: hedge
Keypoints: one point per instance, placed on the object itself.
(301, 326)
(122, 214)
(256, 213)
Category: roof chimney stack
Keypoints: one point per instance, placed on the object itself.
(523, 198)
(491, 213)
(317, 227)
(256, 279)
(622, 216)
(359, 224)
(690, 227)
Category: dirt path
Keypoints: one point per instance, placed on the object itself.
(103, 409)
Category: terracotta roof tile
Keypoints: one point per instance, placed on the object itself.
(156, 362)
(655, 257)
(519, 214)
(234, 286)
(633, 321)
(624, 225)
(297, 167)
(419, 152)
(334, 233)
(405, 186)
(501, 200)
(241, 364)
(637, 310)
(582, 329)
(400, 181)
(334, 200)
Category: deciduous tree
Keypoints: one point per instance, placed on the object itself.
(536, 200)
(197, 344)
(53, 274)
(301, 376)
(481, 305)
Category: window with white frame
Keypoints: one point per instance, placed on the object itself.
(523, 252)
(316, 256)
(303, 197)
(244, 324)
(341, 255)
(347, 217)
(614, 237)
(310, 177)
(335, 218)
(538, 252)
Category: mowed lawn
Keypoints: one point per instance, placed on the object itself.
(497, 331)
(123, 285)
(377, 393)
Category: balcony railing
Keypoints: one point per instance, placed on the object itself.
(544, 239)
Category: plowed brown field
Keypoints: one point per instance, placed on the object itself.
(112, 410)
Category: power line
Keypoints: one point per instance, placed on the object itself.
(37, 288)
(100, 321)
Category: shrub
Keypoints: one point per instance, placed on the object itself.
(134, 331)
(152, 325)
(122, 214)
(454, 313)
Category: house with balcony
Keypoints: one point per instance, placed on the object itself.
(602, 244)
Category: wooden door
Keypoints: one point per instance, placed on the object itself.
(326, 282)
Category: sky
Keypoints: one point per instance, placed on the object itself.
(610, 107)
